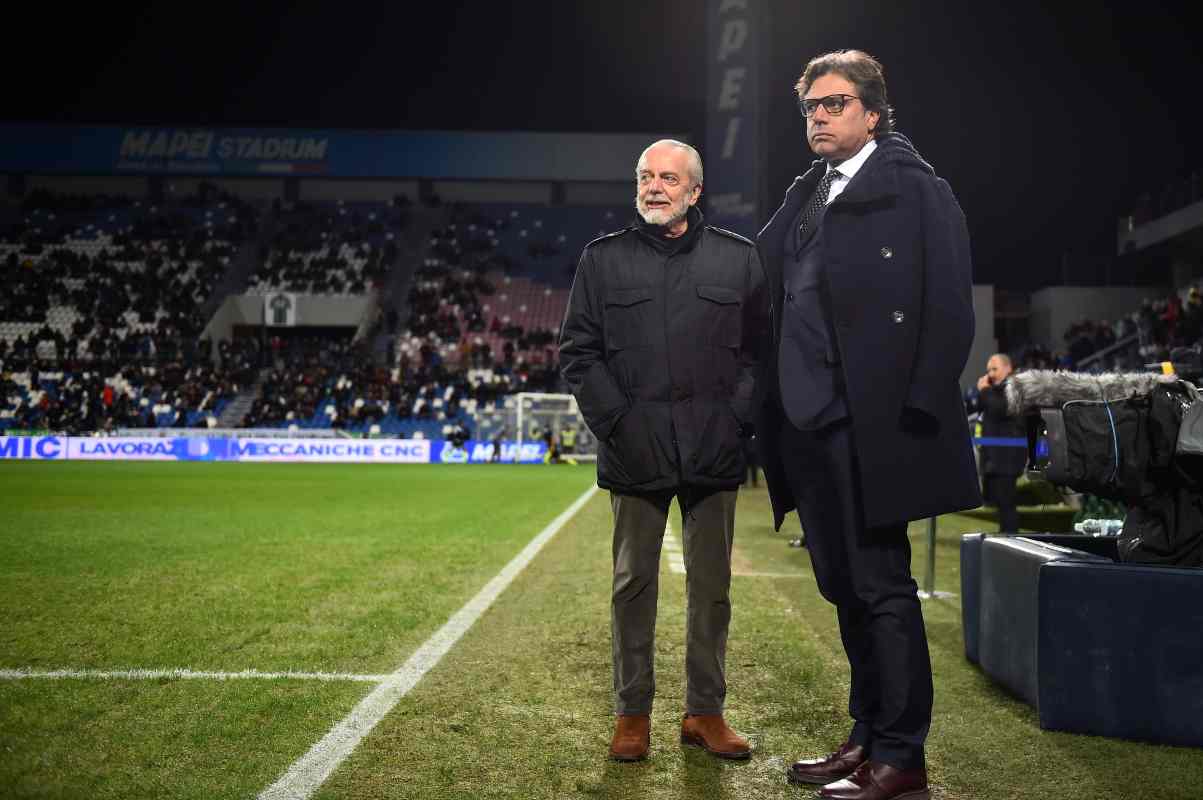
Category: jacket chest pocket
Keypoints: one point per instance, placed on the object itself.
(720, 311)
(629, 318)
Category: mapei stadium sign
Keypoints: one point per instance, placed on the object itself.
(303, 152)
(202, 448)
(205, 145)
(732, 153)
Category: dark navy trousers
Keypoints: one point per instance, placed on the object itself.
(866, 574)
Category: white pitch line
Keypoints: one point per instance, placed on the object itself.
(311, 770)
(153, 674)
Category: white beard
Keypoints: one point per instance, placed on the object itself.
(662, 216)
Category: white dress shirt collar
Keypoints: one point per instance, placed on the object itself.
(849, 168)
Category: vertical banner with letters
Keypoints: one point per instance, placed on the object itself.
(732, 155)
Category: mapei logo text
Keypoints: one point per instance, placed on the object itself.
(202, 145)
(476, 452)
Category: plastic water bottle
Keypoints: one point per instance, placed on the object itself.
(1100, 527)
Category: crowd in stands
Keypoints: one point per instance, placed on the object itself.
(1147, 335)
(77, 396)
(340, 248)
(100, 319)
(49, 218)
(328, 382)
(303, 374)
(480, 326)
(100, 323)
(474, 315)
(131, 300)
(1155, 329)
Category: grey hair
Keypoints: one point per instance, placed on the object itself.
(695, 159)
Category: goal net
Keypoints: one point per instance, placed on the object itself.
(537, 413)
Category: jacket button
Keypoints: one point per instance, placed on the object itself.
(899, 316)
(789, 298)
(887, 252)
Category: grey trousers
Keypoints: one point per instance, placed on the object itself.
(707, 531)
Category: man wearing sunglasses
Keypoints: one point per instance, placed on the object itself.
(862, 427)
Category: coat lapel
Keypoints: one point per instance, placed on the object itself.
(772, 237)
(873, 181)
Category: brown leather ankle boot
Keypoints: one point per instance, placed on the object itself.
(632, 737)
(711, 732)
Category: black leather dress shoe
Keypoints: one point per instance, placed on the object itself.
(873, 780)
(819, 771)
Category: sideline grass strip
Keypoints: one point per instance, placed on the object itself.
(311, 770)
(166, 738)
(225, 568)
(521, 708)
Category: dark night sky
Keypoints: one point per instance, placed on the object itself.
(1047, 119)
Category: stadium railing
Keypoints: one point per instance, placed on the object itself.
(234, 433)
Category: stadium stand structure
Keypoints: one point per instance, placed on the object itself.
(481, 314)
(100, 319)
(331, 248)
(1148, 334)
(106, 298)
(1159, 247)
(487, 303)
(102, 326)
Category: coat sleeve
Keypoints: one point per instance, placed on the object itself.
(993, 401)
(583, 354)
(946, 324)
(754, 341)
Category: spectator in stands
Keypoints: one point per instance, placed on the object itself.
(1190, 324)
(457, 435)
(1169, 316)
(1000, 465)
(659, 441)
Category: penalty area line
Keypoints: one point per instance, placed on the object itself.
(311, 770)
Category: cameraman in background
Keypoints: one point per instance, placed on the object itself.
(999, 465)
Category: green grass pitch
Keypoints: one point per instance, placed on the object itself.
(347, 570)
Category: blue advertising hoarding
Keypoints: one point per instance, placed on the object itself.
(204, 448)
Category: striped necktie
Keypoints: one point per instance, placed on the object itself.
(817, 200)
